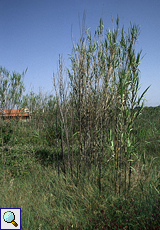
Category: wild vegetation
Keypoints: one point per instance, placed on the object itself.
(89, 157)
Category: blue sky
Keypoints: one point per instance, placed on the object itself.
(34, 32)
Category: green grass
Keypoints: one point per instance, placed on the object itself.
(30, 181)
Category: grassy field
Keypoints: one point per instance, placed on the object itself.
(52, 200)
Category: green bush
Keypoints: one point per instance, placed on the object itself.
(51, 134)
(6, 132)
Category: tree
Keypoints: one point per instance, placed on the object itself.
(11, 88)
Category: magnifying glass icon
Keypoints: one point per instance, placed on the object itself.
(9, 217)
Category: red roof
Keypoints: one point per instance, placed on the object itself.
(14, 112)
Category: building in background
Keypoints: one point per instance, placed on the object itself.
(22, 114)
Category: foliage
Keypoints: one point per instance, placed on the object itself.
(51, 135)
(6, 132)
(11, 88)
